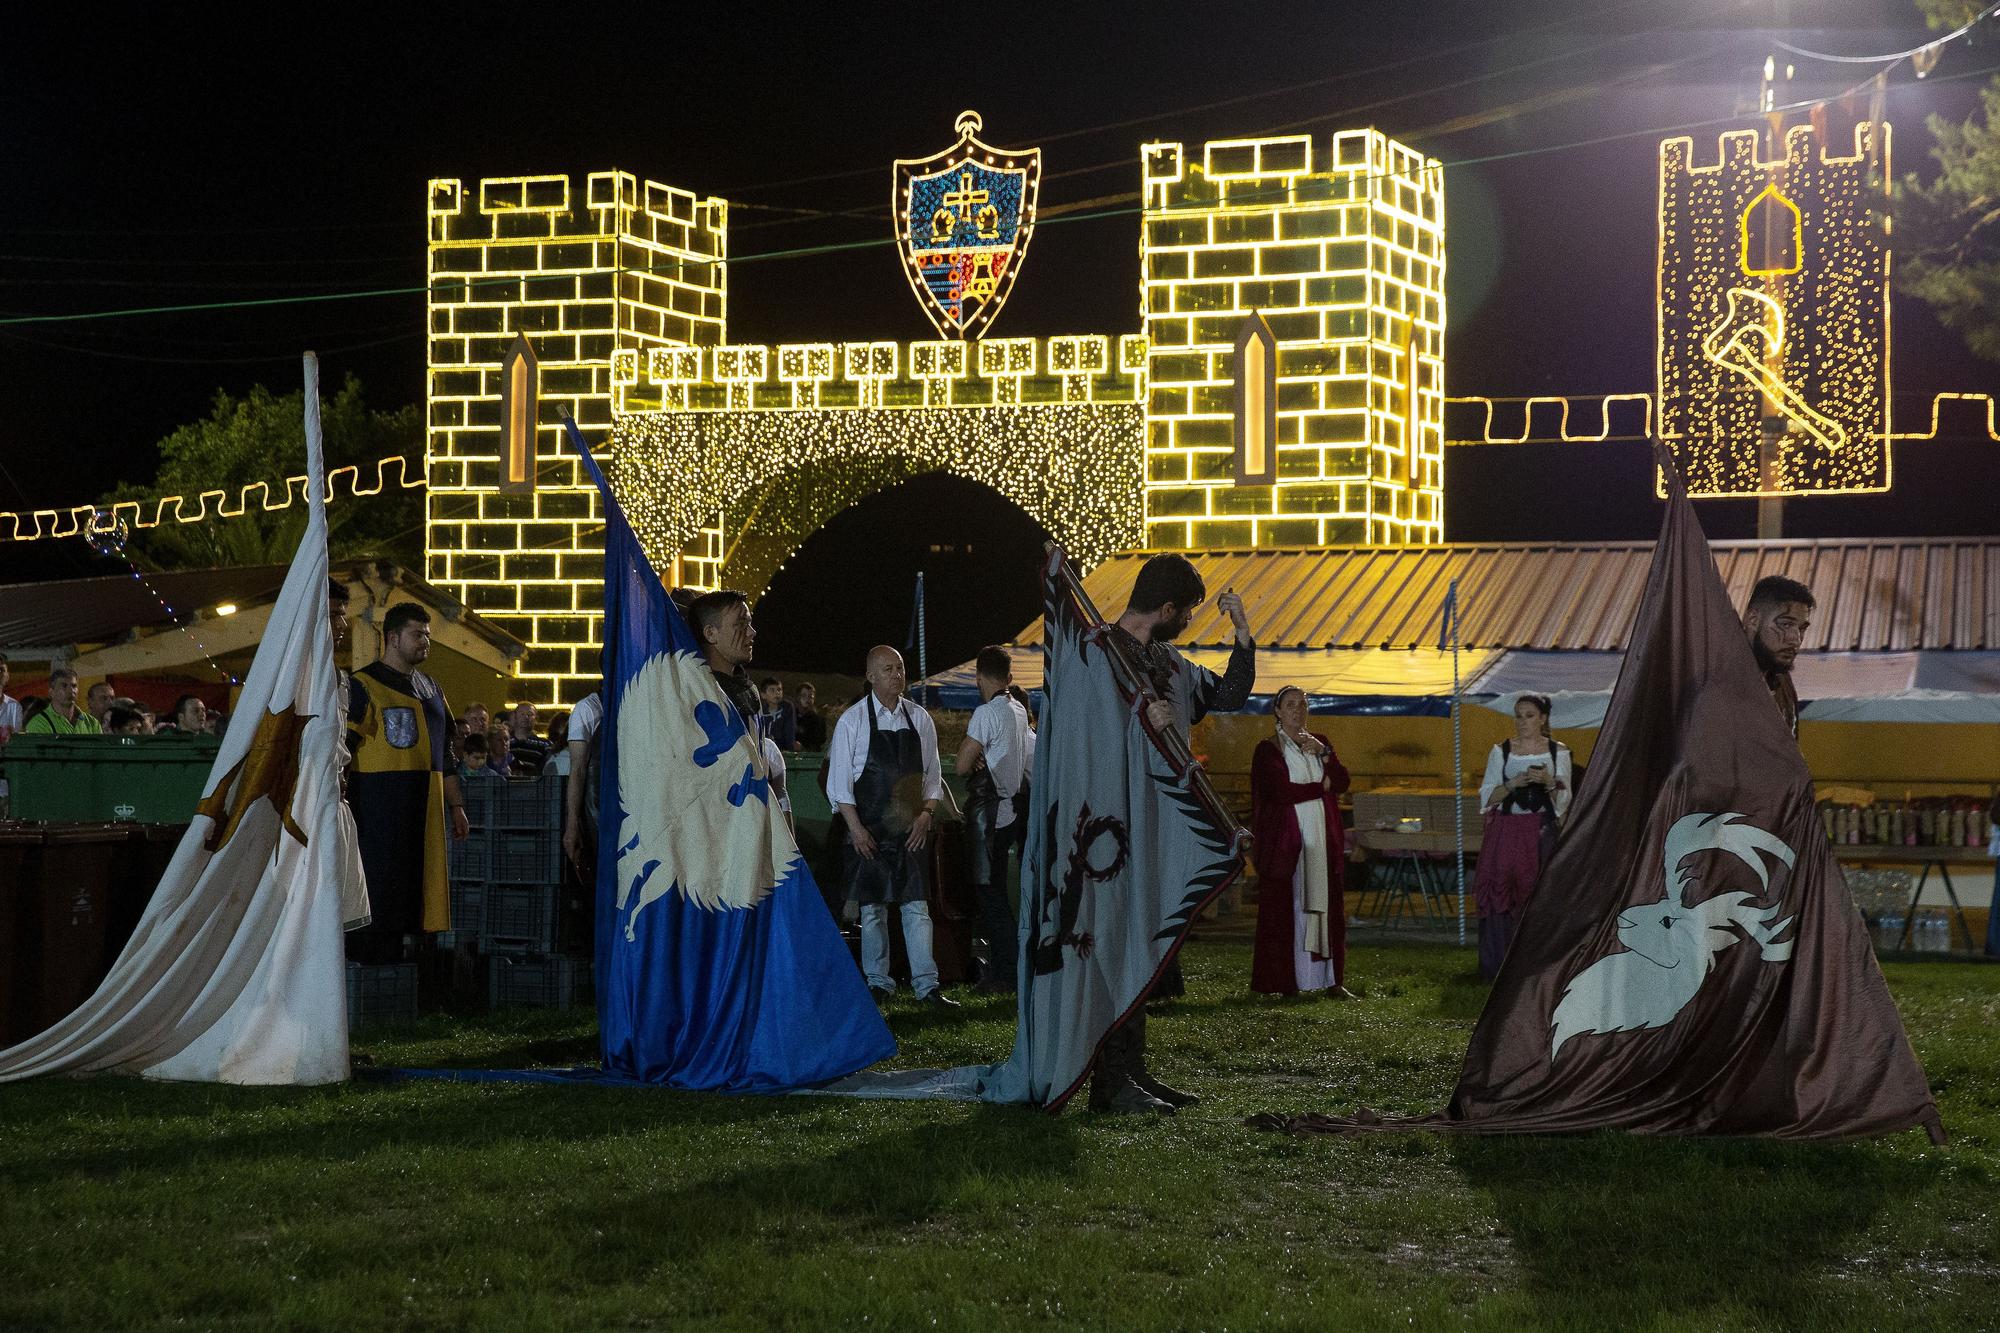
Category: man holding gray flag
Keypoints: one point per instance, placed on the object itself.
(1127, 842)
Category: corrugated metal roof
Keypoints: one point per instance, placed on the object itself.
(1874, 595)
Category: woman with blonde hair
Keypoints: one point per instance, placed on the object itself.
(1300, 851)
(1525, 793)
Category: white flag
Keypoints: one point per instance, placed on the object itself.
(235, 973)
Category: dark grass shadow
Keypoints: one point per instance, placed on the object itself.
(1622, 1231)
(884, 1185)
(367, 1116)
(1464, 996)
(562, 1052)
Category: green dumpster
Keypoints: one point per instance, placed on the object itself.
(90, 779)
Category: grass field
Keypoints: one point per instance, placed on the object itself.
(432, 1205)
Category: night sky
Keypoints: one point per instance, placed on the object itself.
(185, 154)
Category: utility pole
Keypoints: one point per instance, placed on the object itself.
(1771, 420)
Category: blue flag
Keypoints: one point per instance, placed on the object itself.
(718, 966)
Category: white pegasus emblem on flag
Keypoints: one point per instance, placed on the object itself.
(1670, 945)
(696, 799)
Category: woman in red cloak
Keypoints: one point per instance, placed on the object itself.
(1301, 857)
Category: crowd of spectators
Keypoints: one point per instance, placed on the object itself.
(68, 709)
(513, 746)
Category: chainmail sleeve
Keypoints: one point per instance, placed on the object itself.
(1229, 691)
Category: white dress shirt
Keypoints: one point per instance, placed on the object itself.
(1000, 725)
(847, 752)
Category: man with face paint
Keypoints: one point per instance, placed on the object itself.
(1164, 598)
(1777, 618)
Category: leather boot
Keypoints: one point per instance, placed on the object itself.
(1113, 1088)
(1121, 1096)
(1173, 1097)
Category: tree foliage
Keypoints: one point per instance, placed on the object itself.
(261, 437)
(1948, 229)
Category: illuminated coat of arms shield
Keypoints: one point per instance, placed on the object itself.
(963, 218)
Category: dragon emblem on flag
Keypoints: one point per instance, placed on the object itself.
(963, 217)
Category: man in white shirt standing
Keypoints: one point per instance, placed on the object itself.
(579, 791)
(994, 757)
(882, 776)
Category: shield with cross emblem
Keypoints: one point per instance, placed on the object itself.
(963, 217)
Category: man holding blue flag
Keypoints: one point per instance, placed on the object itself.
(718, 965)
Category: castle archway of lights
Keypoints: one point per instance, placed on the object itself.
(607, 298)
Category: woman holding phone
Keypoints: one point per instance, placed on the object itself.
(1525, 793)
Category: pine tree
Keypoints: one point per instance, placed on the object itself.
(1948, 230)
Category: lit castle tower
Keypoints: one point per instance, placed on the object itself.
(1344, 260)
(1774, 315)
(621, 264)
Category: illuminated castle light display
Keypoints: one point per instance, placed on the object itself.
(1773, 347)
(1343, 256)
(728, 455)
(1318, 262)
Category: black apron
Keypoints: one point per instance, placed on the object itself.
(982, 815)
(887, 797)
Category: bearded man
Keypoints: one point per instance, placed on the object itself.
(1164, 599)
(1779, 613)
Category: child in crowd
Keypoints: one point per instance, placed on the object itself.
(474, 758)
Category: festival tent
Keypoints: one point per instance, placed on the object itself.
(1907, 629)
(1941, 686)
(154, 639)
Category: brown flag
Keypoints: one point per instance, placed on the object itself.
(1692, 962)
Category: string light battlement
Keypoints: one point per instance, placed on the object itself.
(1339, 246)
(1737, 150)
(734, 377)
(1773, 332)
(123, 517)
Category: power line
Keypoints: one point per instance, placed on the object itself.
(1893, 57)
(800, 252)
(1321, 118)
(147, 359)
(167, 262)
(1240, 99)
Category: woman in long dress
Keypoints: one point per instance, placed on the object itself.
(1300, 852)
(1525, 793)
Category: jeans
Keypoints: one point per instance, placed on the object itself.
(916, 943)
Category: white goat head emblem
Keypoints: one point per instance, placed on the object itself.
(1670, 945)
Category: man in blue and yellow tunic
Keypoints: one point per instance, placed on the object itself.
(402, 790)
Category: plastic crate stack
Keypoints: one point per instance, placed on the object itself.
(551, 982)
(381, 993)
(506, 887)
